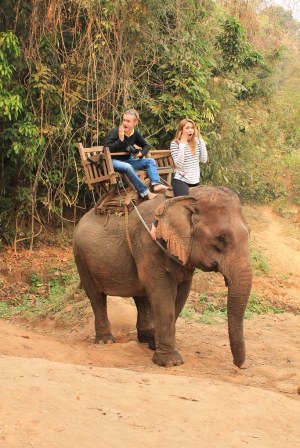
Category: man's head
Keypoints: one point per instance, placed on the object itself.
(130, 120)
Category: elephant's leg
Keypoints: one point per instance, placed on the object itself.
(163, 306)
(182, 295)
(144, 323)
(102, 325)
(98, 302)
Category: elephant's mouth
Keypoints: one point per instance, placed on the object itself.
(226, 280)
(213, 267)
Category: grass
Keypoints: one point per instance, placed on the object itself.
(44, 297)
(51, 293)
(189, 313)
(293, 163)
(259, 262)
(258, 305)
(212, 314)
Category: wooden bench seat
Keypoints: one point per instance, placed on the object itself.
(164, 163)
(99, 170)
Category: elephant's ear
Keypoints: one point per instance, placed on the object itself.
(174, 226)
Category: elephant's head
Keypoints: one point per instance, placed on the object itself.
(208, 231)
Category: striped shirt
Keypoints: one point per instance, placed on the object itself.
(187, 164)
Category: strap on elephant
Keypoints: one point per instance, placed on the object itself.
(126, 228)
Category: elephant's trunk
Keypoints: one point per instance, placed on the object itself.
(239, 287)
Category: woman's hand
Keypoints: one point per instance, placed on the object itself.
(183, 137)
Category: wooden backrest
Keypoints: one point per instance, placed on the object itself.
(163, 158)
(101, 170)
(165, 164)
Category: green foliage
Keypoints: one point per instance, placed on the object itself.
(188, 313)
(212, 314)
(184, 79)
(258, 305)
(293, 170)
(9, 47)
(35, 280)
(281, 207)
(236, 52)
(208, 313)
(10, 98)
(67, 73)
(259, 262)
(46, 296)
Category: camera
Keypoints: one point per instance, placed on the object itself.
(132, 150)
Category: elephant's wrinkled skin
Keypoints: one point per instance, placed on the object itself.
(205, 230)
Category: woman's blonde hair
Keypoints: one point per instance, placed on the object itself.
(196, 135)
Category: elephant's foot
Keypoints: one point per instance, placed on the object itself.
(167, 359)
(147, 336)
(105, 338)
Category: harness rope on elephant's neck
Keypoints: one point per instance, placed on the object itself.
(127, 230)
(148, 230)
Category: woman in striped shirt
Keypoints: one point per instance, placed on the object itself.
(187, 150)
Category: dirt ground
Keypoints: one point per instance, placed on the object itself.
(60, 390)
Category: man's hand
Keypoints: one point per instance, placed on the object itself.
(138, 155)
(121, 133)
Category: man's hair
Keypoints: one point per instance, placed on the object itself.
(133, 112)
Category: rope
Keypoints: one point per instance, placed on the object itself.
(148, 230)
(94, 196)
(127, 230)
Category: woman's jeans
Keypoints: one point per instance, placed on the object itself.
(181, 188)
(129, 166)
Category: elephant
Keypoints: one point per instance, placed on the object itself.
(117, 257)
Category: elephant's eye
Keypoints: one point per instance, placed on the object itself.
(221, 238)
(220, 243)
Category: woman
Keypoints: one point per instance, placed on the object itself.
(187, 150)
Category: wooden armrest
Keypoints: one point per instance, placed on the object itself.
(160, 152)
(125, 153)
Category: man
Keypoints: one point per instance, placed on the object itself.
(125, 138)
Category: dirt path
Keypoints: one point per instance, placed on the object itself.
(279, 239)
(60, 390)
(62, 405)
